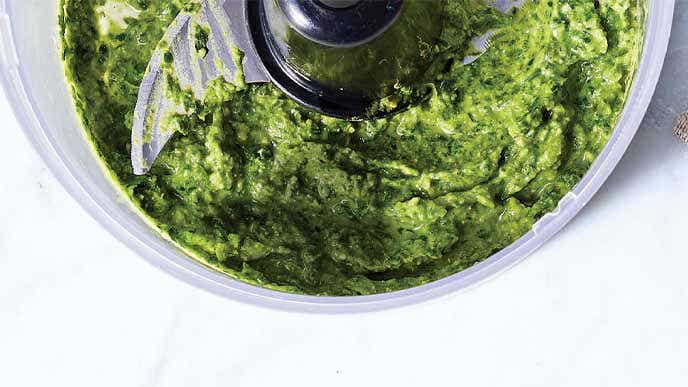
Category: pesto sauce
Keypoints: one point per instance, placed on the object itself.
(282, 197)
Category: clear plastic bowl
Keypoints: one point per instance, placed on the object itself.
(33, 79)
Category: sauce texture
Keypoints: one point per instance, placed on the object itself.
(281, 197)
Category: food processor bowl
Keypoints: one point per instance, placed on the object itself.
(32, 75)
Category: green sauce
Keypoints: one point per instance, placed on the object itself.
(282, 197)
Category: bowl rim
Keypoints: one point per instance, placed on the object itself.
(656, 39)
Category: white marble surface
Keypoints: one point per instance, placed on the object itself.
(604, 303)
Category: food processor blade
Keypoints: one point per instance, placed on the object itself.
(222, 26)
(228, 39)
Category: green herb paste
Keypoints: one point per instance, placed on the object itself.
(282, 197)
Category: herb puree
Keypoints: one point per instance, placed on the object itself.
(282, 197)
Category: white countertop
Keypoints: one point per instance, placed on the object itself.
(604, 303)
